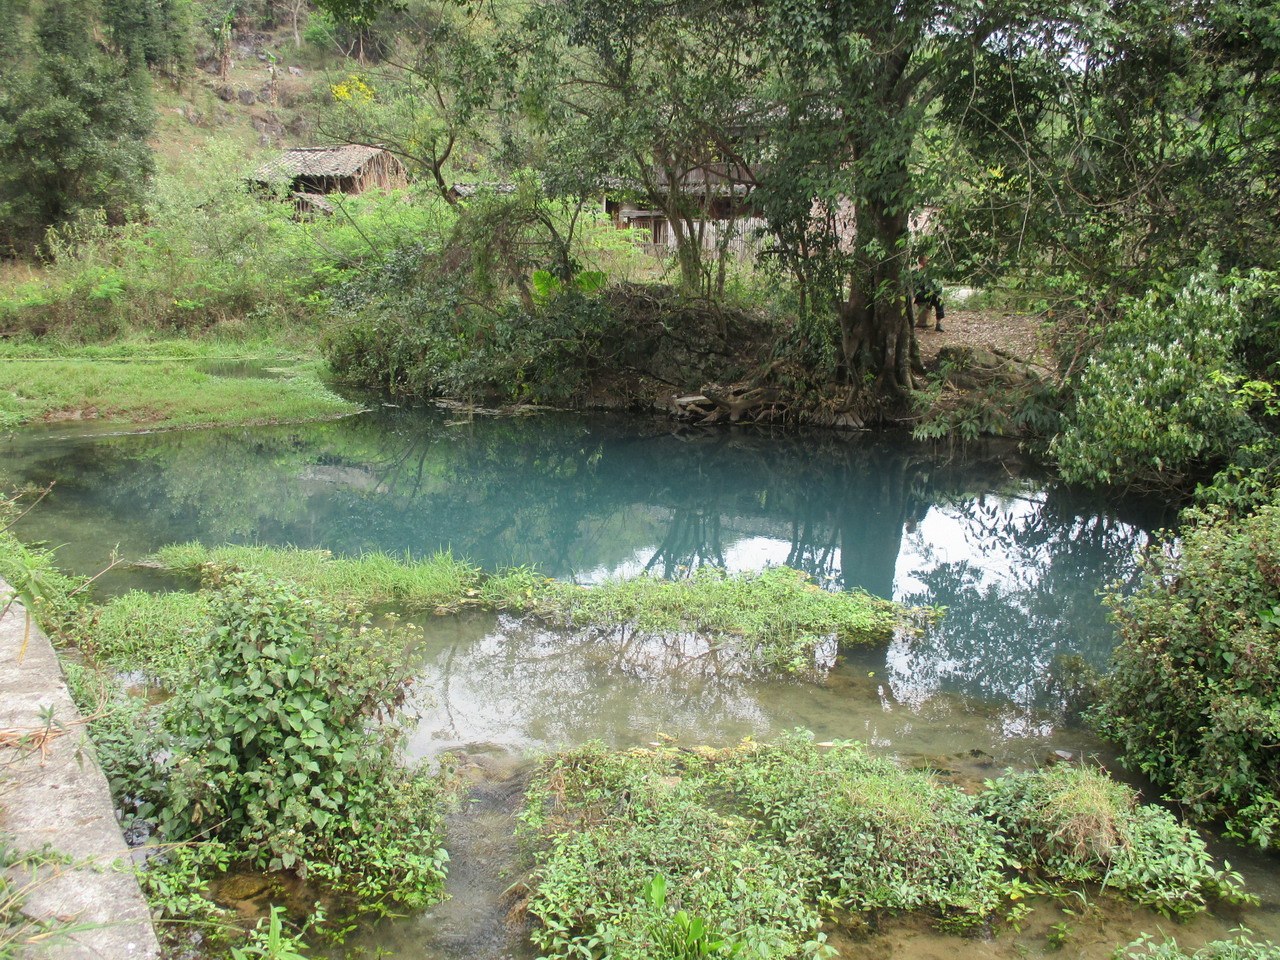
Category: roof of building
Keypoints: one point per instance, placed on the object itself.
(344, 161)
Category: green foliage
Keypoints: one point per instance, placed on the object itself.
(160, 634)
(683, 936)
(883, 838)
(49, 596)
(604, 822)
(73, 131)
(1194, 697)
(212, 254)
(1154, 402)
(777, 617)
(508, 309)
(371, 579)
(273, 751)
(270, 941)
(742, 851)
(1077, 825)
(1243, 947)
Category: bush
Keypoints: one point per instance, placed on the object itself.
(1194, 695)
(278, 751)
(1155, 402)
(436, 341)
(1077, 825)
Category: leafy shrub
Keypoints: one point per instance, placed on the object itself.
(276, 751)
(1077, 825)
(1154, 403)
(435, 341)
(1194, 694)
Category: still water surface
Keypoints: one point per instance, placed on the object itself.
(1016, 560)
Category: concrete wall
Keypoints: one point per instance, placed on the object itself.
(53, 791)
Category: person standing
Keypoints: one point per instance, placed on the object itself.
(928, 295)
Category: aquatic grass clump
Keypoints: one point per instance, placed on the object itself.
(606, 825)
(884, 838)
(440, 581)
(161, 634)
(777, 618)
(1075, 824)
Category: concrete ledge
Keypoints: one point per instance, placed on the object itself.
(56, 794)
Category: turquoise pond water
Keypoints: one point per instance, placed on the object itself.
(1016, 559)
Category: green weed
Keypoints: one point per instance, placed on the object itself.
(1243, 947)
(1077, 825)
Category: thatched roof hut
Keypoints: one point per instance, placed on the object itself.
(324, 170)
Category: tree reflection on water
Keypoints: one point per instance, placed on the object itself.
(1016, 562)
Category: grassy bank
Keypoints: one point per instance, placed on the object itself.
(776, 618)
(158, 384)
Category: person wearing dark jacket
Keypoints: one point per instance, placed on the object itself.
(928, 295)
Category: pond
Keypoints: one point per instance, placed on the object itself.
(1015, 559)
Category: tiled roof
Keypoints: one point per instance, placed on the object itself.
(317, 162)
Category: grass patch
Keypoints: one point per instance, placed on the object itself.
(159, 392)
(372, 579)
(776, 618)
(1077, 825)
(163, 635)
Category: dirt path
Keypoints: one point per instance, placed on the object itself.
(1025, 336)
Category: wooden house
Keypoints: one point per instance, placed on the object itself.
(312, 173)
(719, 192)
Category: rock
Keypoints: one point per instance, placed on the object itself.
(1059, 756)
(295, 71)
(246, 97)
(224, 93)
(242, 886)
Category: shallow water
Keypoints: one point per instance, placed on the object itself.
(1017, 561)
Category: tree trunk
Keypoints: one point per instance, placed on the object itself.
(877, 336)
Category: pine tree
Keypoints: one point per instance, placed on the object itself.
(73, 130)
